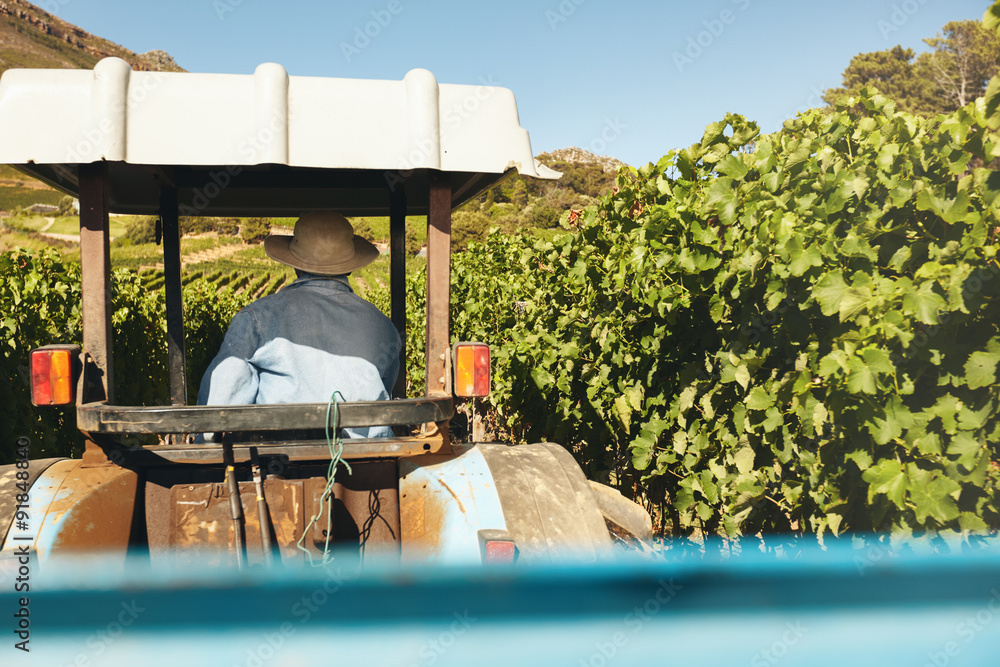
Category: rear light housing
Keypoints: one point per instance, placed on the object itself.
(497, 547)
(53, 371)
(471, 369)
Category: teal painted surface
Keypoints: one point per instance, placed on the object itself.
(461, 493)
(837, 607)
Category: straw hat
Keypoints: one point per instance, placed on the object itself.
(323, 243)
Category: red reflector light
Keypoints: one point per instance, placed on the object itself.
(498, 552)
(52, 376)
(472, 370)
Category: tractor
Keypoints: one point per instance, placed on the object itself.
(273, 485)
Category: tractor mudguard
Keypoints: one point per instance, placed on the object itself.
(77, 508)
(10, 486)
(626, 520)
(536, 493)
(551, 511)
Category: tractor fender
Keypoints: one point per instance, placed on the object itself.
(75, 508)
(536, 493)
(626, 520)
(11, 485)
(551, 511)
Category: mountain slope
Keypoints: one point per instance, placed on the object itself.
(31, 37)
(576, 155)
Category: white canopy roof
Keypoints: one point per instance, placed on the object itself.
(260, 144)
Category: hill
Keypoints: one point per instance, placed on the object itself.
(530, 205)
(31, 37)
(576, 155)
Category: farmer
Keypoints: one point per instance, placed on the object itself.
(314, 336)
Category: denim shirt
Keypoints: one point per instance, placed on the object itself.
(299, 345)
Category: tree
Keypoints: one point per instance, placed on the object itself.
(67, 206)
(468, 226)
(895, 74)
(964, 59)
(543, 215)
(141, 230)
(363, 228)
(255, 230)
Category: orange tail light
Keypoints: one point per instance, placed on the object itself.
(52, 374)
(472, 370)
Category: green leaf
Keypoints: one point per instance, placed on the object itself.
(971, 522)
(721, 197)
(886, 478)
(834, 521)
(981, 369)
(878, 360)
(993, 103)
(930, 199)
(928, 444)
(991, 19)
(624, 412)
(829, 290)
(860, 186)
(860, 378)
(835, 296)
(642, 452)
(804, 260)
(924, 303)
(832, 363)
(861, 458)
(733, 167)
(759, 399)
(966, 448)
(680, 442)
(635, 396)
(958, 210)
(743, 376)
(744, 459)
(931, 495)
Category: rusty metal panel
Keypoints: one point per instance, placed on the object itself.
(444, 501)
(438, 281)
(95, 271)
(371, 497)
(85, 509)
(201, 525)
(364, 513)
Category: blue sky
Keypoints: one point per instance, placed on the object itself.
(631, 79)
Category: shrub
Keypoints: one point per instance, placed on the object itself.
(789, 332)
(255, 230)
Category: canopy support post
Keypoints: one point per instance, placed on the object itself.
(438, 281)
(397, 279)
(95, 275)
(176, 358)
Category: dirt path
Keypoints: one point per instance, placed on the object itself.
(62, 237)
(48, 225)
